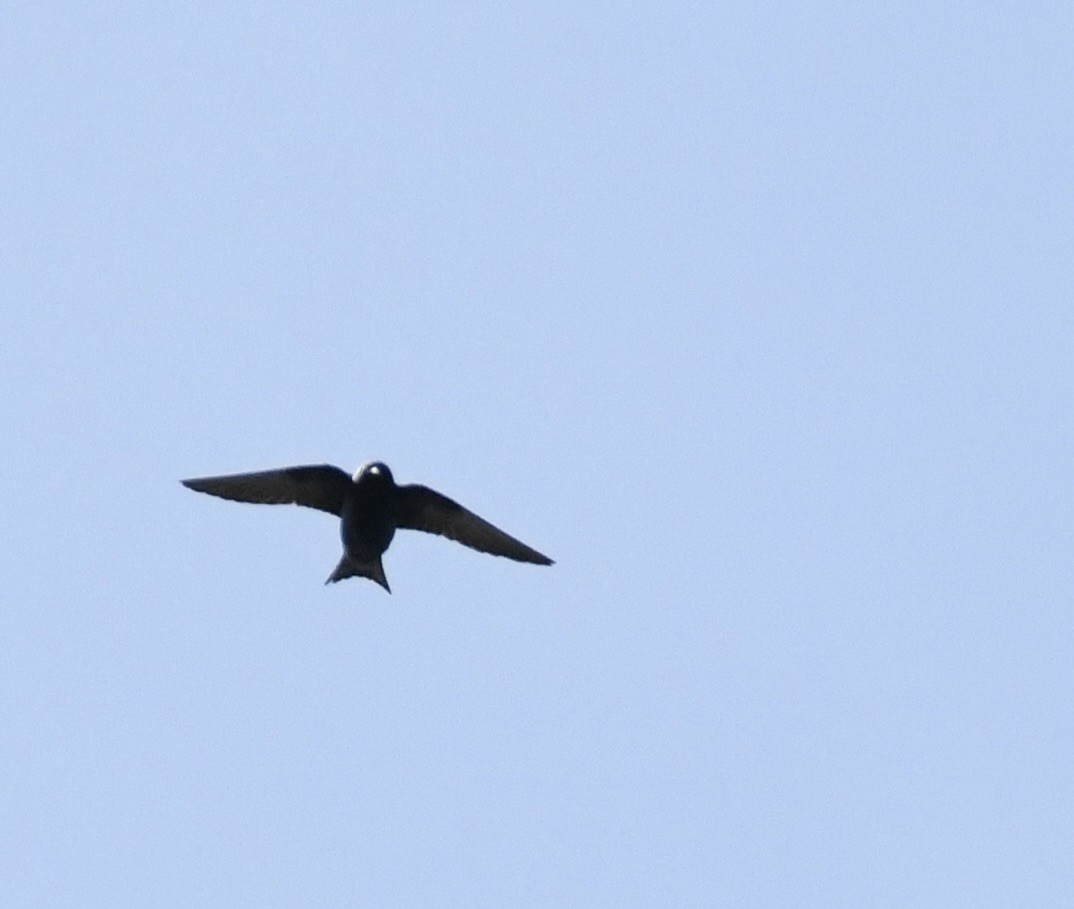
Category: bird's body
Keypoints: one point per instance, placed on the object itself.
(366, 528)
(370, 507)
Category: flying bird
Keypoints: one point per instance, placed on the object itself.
(371, 507)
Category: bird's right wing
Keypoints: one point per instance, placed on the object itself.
(322, 487)
(421, 508)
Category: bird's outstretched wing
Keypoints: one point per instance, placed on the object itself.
(421, 508)
(323, 487)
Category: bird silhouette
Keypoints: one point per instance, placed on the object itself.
(371, 507)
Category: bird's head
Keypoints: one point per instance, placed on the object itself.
(375, 470)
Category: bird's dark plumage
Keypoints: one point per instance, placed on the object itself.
(370, 507)
(421, 508)
(324, 488)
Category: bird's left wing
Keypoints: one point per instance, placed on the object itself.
(322, 487)
(421, 508)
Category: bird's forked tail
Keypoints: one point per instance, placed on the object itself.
(348, 568)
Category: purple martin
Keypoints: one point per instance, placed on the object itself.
(371, 507)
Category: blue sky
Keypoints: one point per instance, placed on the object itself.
(755, 317)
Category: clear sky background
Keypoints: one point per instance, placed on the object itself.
(758, 318)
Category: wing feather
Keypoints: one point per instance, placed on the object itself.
(421, 508)
(322, 487)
